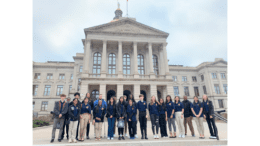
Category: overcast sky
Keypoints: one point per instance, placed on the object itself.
(197, 28)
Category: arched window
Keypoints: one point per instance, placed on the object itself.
(96, 63)
(112, 63)
(95, 94)
(155, 65)
(140, 59)
(126, 64)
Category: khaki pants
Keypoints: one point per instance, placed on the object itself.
(179, 121)
(83, 125)
(98, 129)
(199, 123)
(73, 129)
(188, 120)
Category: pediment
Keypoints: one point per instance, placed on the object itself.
(219, 63)
(126, 26)
(48, 81)
(61, 81)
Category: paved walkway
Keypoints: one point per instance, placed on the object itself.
(42, 136)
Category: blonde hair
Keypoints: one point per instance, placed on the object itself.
(151, 102)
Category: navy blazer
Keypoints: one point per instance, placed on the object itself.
(211, 108)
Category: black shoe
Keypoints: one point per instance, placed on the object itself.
(77, 139)
(146, 137)
(185, 134)
(87, 137)
(59, 140)
(123, 138)
(52, 140)
(119, 138)
(62, 138)
(67, 138)
(217, 137)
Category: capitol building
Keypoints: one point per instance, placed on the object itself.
(125, 57)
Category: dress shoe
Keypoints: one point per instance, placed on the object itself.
(59, 140)
(52, 140)
(119, 137)
(87, 137)
(123, 138)
(146, 137)
(142, 137)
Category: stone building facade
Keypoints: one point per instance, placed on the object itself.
(125, 57)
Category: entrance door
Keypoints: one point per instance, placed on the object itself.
(127, 93)
(109, 94)
(144, 93)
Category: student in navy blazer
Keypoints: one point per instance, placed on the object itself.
(131, 118)
(74, 113)
(197, 109)
(154, 115)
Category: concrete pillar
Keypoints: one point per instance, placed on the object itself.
(165, 59)
(86, 56)
(74, 83)
(169, 88)
(150, 50)
(153, 91)
(161, 63)
(83, 89)
(102, 90)
(120, 91)
(104, 58)
(120, 60)
(136, 74)
(220, 84)
(136, 91)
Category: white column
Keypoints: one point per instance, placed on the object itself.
(152, 74)
(74, 83)
(220, 84)
(169, 88)
(119, 91)
(120, 60)
(161, 63)
(153, 91)
(83, 89)
(136, 91)
(136, 74)
(104, 59)
(102, 90)
(86, 56)
(167, 73)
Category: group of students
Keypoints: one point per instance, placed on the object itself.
(77, 117)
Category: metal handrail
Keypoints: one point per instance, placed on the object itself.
(216, 114)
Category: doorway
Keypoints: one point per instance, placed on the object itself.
(144, 93)
(127, 93)
(110, 93)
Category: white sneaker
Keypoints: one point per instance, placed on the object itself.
(112, 138)
(157, 136)
(70, 141)
(125, 135)
(108, 138)
(183, 136)
(154, 136)
(213, 137)
(75, 140)
(180, 135)
(136, 136)
(114, 135)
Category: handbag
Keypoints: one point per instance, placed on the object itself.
(121, 123)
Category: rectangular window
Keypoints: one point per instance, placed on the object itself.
(33, 105)
(216, 86)
(59, 89)
(80, 68)
(70, 87)
(78, 87)
(47, 90)
(186, 91)
(204, 89)
(223, 76)
(35, 89)
(44, 106)
(214, 75)
(79, 80)
(184, 78)
(194, 79)
(202, 78)
(176, 90)
(62, 76)
(225, 87)
(37, 76)
(71, 76)
(220, 102)
(196, 91)
(174, 78)
(49, 76)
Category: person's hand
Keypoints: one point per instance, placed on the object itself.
(197, 116)
(204, 116)
(166, 119)
(111, 116)
(146, 116)
(93, 122)
(130, 120)
(80, 116)
(60, 115)
(171, 116)
(181, 116)
(210, 117)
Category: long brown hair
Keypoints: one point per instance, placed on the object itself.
(166, 98)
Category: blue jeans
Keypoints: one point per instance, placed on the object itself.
(111, 126)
